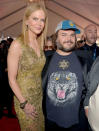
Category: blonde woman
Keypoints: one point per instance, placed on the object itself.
(25, 63)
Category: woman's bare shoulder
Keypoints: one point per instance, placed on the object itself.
(15, 47)
(15, 44)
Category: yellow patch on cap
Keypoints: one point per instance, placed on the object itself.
(71, 24)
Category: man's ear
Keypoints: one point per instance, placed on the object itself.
(57, 40)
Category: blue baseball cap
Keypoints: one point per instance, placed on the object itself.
(66, 25)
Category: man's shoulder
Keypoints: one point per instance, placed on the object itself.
(82, 53)
(96, 64)
(97, 47)
(49, 53)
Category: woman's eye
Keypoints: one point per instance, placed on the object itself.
(43, 20)
(35, 18)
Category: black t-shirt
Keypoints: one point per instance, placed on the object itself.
(64, 89)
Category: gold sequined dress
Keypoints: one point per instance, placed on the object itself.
(29, 81)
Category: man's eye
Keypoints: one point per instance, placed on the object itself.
(63, 34)
(73, 35)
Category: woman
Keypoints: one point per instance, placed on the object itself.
(25, 64)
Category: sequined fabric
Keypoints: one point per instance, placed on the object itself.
(29, 81)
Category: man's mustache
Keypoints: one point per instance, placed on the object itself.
(69, 41)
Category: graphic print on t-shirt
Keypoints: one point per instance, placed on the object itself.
(62, 87)
(63, 64)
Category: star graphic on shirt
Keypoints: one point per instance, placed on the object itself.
(63, 64)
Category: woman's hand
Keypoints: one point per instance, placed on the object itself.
(30, 111)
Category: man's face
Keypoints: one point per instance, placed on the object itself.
(66, 40)
(48, 45)
(91, 35)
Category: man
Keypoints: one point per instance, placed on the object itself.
(6, 95)
(90, 34)
(65, 82)
(89, 45)
(91, 101)
(49, 50)
(49, 44)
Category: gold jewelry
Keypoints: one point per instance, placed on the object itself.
(26, 27)
(22, 105)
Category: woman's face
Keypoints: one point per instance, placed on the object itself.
(36, 22)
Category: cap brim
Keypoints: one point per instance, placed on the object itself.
(77, 31)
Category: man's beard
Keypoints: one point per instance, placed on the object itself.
(91, 40)
(60, 47)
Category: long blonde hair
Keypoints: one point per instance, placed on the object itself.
(32, 7)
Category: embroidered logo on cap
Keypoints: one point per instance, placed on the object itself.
(71, 24)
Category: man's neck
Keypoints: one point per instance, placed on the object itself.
(89, 44)
(60, 52)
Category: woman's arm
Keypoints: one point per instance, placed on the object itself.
(13, 60)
